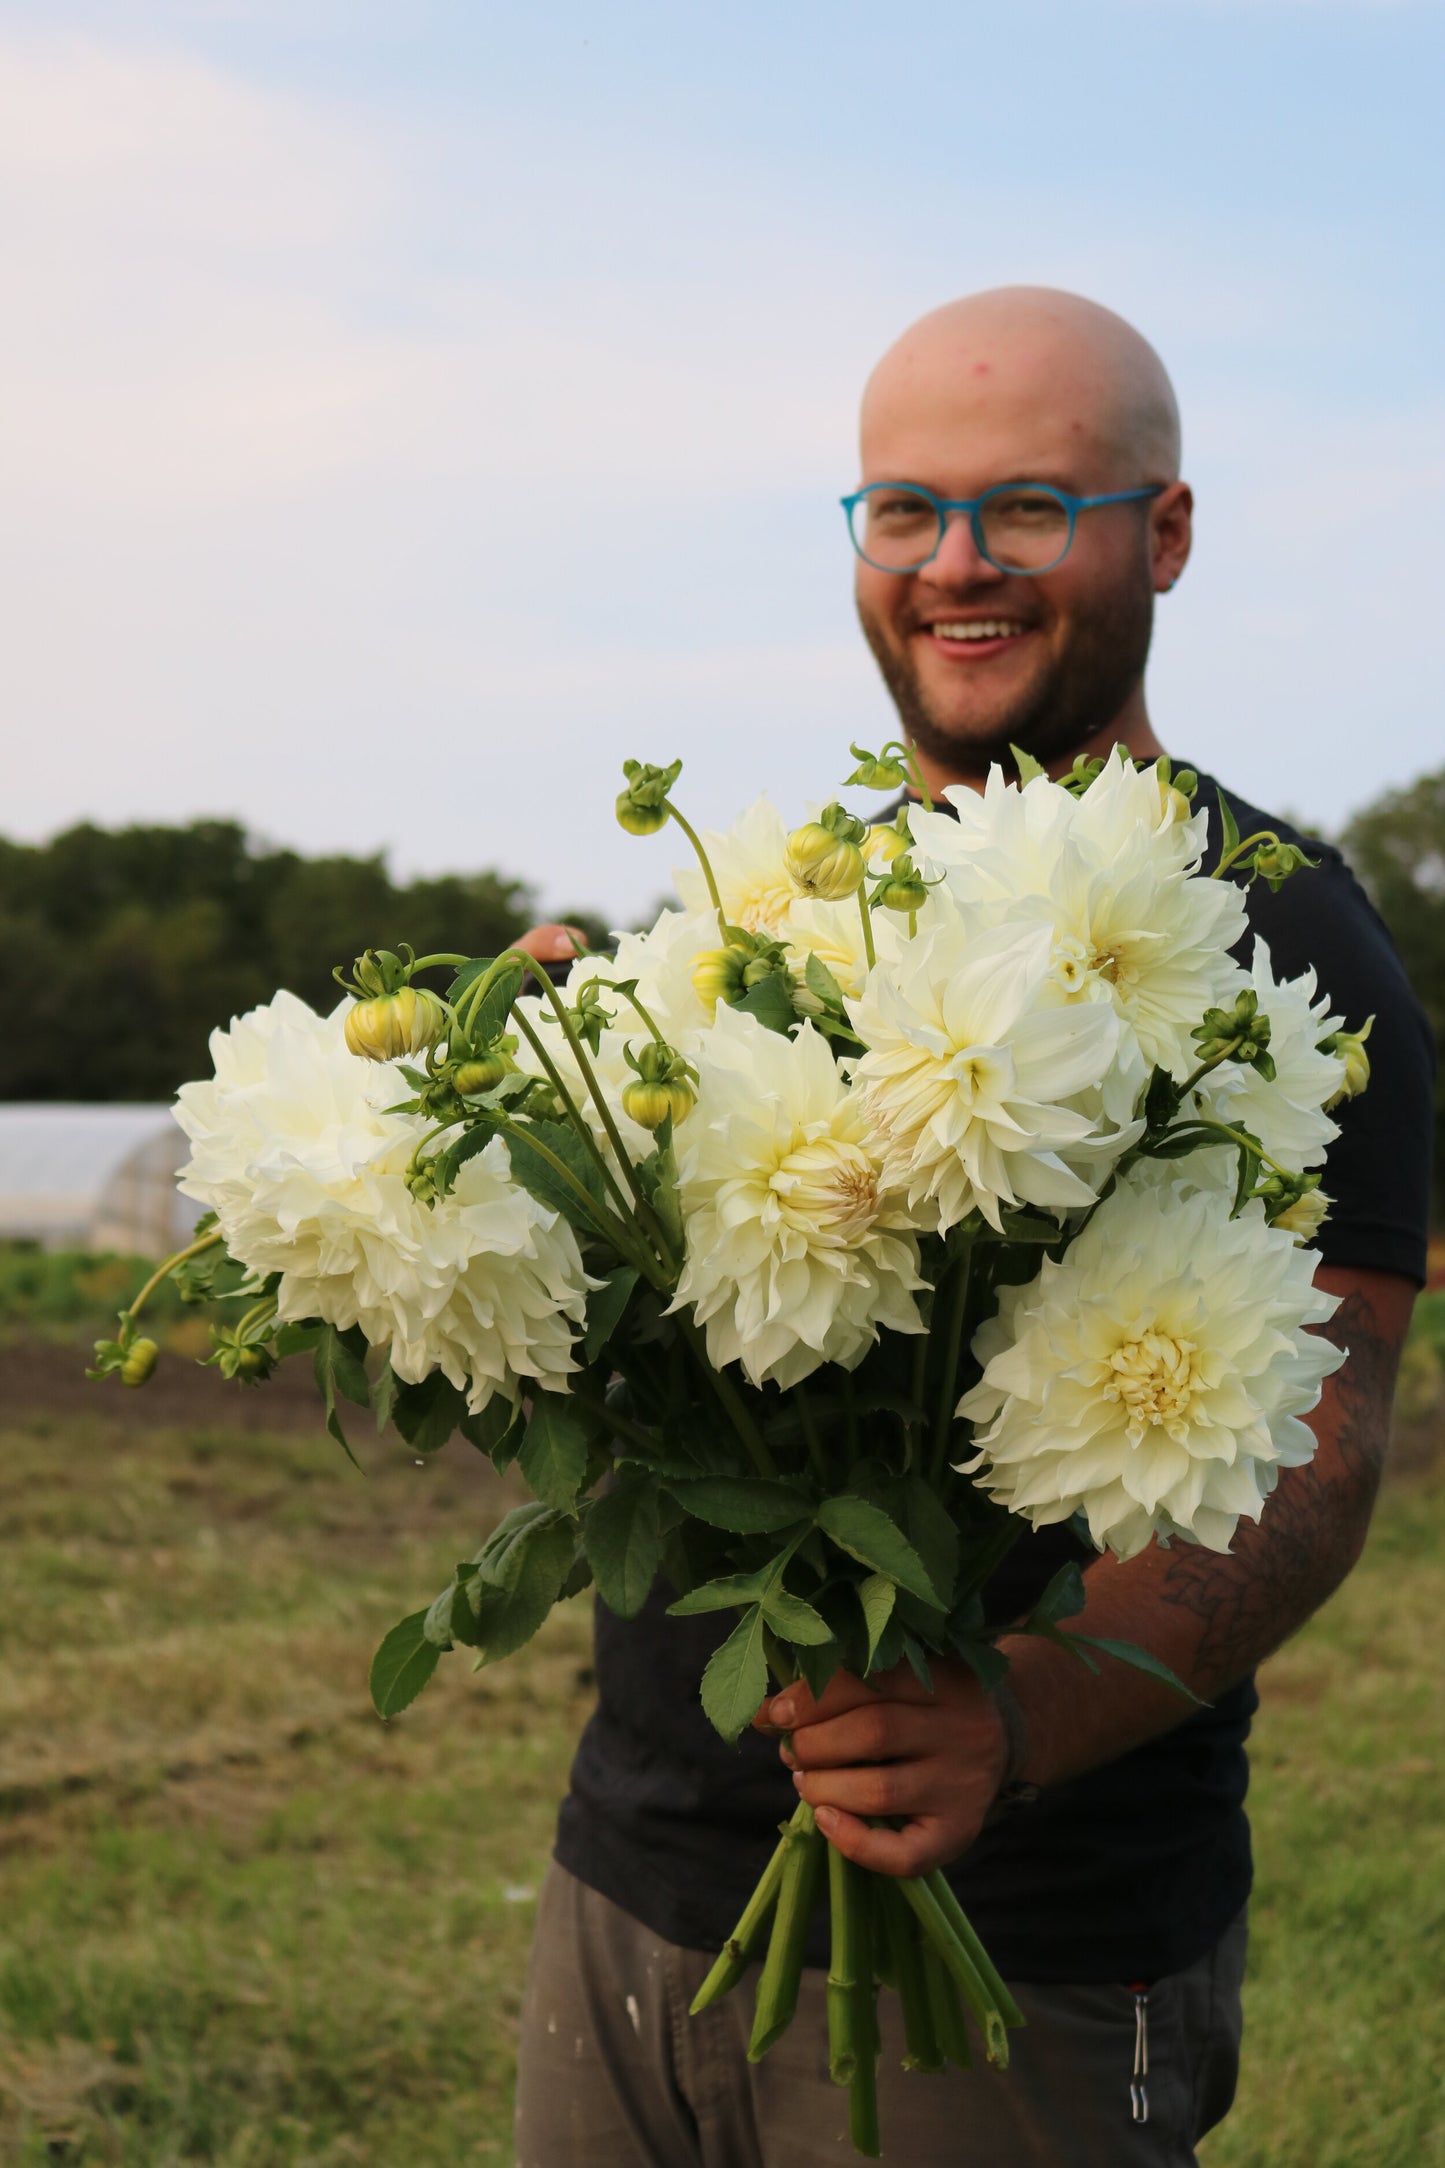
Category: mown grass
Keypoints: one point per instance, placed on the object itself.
(243, 1923)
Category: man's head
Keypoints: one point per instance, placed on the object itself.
(1024, 384)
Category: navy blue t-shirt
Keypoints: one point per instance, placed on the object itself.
(1133, 1870)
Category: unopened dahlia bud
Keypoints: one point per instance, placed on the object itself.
(717, 975)
(875, 771)
(1240, 1033)
(1304, 1218)
(484, 1072)
(823, 863)
(1274, 862)
(1175, 791)
(904, 888)
(662, 1090)
(642, 807)
(1349, 1046)
(884, 844)
(139, 1362)
(389, 1027)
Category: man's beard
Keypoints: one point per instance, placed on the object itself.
(1070, 705)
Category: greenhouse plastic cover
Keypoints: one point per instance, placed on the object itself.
(93, 1177)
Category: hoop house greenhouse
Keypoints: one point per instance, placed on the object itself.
(93, 1178)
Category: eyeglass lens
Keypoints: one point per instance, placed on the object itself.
(1022, 530)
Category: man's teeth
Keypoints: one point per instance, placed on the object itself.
(991, 628)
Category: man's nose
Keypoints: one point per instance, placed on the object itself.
(960, 562)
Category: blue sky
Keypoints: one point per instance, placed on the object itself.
(410, 411)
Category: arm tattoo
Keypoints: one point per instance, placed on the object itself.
(1252, 1598)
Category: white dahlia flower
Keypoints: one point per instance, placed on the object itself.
(971, 1069)
(749, 863)
(1111, 875)
(1154, 1380)
(796, 1253)
(292, 1148)
(1286, 1113)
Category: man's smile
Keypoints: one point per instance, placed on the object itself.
(975, 637)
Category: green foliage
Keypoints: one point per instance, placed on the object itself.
(123, 949)
(1397, 847)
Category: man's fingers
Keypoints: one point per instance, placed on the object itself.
(918, 1849)
(883, 1788)
(795, 1706)
(879, 1731)
(551, 944)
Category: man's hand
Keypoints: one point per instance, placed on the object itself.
(552, 944)
(936, 1761)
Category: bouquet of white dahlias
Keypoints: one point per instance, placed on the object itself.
(910, 1186)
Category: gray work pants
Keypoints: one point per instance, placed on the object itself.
(614, 2073)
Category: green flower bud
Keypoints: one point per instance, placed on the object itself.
(1305, 1216)
(1240, 1034)
(421, 1180)
(875, 771)
(884, 844)
(389, 1027)
(717, 975)
(1274, 862)
(139, 1362)
(822, 863)
(481, 1074)
(249, 1361)
(642, 807)
(1175, 791)
(903, 889)
(662, 1089)
(1349, 1046)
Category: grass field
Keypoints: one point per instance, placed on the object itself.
(242, 1923)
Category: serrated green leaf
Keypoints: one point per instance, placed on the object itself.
(383, 1392)
(623, 1540)
(553, 1456)
(481, 1127)
(819, 1664)
(1027, 766)
(1063, 1598)
(866, 1533)
(495, 1006)
(736, 1678)
(340, 1369)
(724, 1594)
(605, 1305)
(1228, 825)
(427, 1414)
(795, 1620)
(579, 1200)
(745, 1506)
(523, 1568)
(821, 982)
(771, 1003)
(877, 1596)
(496, 1430)
(402, 1665)
(1126, 1652)
(295, 1339)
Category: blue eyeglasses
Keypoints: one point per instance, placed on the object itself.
(1017, 526)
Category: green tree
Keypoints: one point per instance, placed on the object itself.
(1397, 846)
(121, 950)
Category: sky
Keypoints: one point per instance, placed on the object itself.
(408, 412)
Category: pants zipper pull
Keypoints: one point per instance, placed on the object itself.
(1138, 2086)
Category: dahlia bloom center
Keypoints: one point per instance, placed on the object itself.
(1155, 1379)
(827, 1187)
(1075, 963)
(982, 1074)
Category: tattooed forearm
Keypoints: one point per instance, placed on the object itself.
(1279, 1572)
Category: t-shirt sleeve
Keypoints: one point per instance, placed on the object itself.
(1378, 1169)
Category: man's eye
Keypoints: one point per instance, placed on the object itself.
(1025, 507)
(899, 510)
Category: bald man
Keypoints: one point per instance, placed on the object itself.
(1094, 1832)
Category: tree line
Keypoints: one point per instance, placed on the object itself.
(120, 949)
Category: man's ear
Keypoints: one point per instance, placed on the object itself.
(1171, 534)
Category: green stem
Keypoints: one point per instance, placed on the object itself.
(783, 1965)
(967, 1935)
(702, 858)
(628, 995)
(742, 1945)
(730, 1400)
(918, 1389)
(584, 1131)
(810, 1434)
(844, 2048)
(993, 1554)
(618, 1231)
(434, 963)
(952, 1349)
(1261, 835)
(164, 1271)
(868, 949)
(863, 2085)
(940, 1932)
(924, 2052)
(614, 1136)
(1204, 1068)
(948, 2023)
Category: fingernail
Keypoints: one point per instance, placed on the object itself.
(797, 1780)
(786, 1754)
(782, 1712)
(825, 1818)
